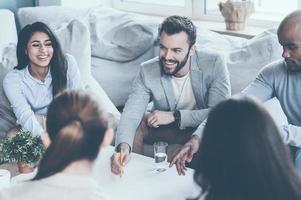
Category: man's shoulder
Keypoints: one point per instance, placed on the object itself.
(208, 61)
(275, 66)
(151, 61)
(151, 65)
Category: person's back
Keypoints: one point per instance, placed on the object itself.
(77, 130)
(255, 163)
(59, 186)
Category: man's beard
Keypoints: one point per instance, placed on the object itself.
(293, 66)
(179, 65)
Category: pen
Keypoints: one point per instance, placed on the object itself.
(121, 163)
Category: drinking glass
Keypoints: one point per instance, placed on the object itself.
(160, 152)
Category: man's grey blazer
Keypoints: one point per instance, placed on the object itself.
(210, 84)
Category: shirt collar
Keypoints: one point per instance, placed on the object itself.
(28, 75)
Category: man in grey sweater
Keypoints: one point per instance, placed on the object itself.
(183, 85)
(280, 79)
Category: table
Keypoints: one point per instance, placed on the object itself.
(141, 181)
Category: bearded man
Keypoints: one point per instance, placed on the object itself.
(280, 79)
(183, 85)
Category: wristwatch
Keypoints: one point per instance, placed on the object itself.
(118, 147)
(177, 116)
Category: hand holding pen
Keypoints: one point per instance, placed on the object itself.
(120, 158)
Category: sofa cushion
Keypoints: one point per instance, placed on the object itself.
(218, 42)
(245, 57)
(118, 79)
(7, 61)
(74, 38)
(245, 63)
(120, 36)
(8, 41)
(53, 16)
(8, 33)
(112, 31)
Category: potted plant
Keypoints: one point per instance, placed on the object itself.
(236, 12)
(24, 148)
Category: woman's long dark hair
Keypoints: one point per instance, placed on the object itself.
(57, 64)
(76, 126)
(242, 156)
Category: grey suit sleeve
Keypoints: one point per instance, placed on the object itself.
(219, 89)
(133, 112)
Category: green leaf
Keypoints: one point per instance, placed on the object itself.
(23, 147)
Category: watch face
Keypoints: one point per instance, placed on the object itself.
(177, 114)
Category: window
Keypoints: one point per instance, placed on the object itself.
(162, 3)
(68, 3)
(274, 10)
(267, 12)
(156, 7)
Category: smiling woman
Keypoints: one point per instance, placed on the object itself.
(40, 52)
(42, 72)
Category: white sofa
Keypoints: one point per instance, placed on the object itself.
(111, 45)
(121, 41)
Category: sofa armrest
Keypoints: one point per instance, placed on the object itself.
(104, 100)
(8, 27)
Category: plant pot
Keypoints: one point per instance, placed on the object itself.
(236, 13)
(24, 168)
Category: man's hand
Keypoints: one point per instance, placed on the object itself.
(120, 159)
(157, 118)
(185, 154)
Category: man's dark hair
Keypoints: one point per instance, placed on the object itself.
(176, 24)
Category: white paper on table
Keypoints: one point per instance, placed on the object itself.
(4, 178)
(142, 181)
(23, 177)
